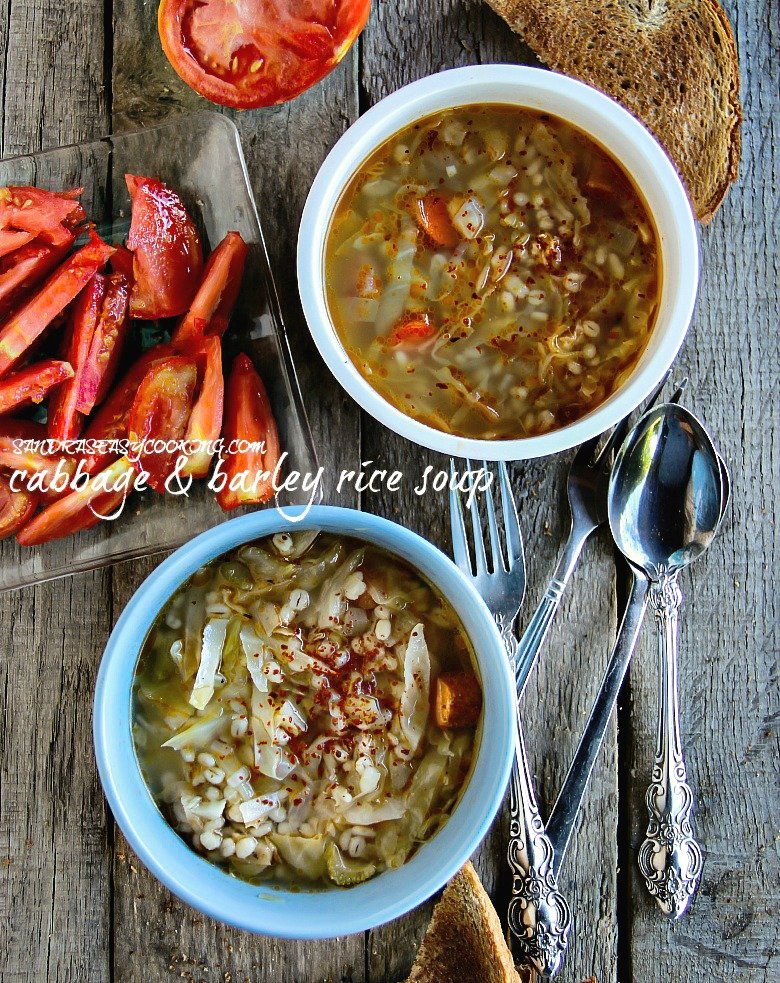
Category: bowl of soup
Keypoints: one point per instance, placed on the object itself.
(289, 722)
(498, 261)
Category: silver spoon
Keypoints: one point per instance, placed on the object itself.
(666, 501)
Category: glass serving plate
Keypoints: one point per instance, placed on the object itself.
(200, 157)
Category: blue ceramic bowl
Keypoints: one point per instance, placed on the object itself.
(269, 910)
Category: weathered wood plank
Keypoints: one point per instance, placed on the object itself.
(729, 621)
(55, 870)
(156, 937)
(403, 42)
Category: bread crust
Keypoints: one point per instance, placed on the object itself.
(672, 63)
(464, 939)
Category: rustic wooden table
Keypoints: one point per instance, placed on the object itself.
(76, 906)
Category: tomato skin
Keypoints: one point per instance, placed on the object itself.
(32, 383)
(77, 510)
(248, 416)
(105, 350)
(205, 422)
(49, 215)
(65, 421)
(167, 254)
(57, 292)
(256, 54)
(161, 410)
(110, 421)
(216, 296)
(16, 507)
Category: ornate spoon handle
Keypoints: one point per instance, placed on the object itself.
(538, 914)
(670, 859)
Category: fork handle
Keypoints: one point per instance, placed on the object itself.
(531, 642)
(538, 915)
(569, 801)
(670, 859)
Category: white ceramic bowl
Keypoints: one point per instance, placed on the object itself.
(594, 113)
(275, 911)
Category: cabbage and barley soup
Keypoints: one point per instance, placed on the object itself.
(306, 710)
(492, 272)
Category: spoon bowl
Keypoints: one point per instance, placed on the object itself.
(665, 491)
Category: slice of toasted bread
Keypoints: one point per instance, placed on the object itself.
(464, 943)
(673, 65)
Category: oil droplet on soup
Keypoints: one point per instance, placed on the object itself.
(492, 272)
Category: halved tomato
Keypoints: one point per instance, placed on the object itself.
(16, 507)
(110, 422)
(105, 350)
(160, 413)
(249, 419)
(83, 508)
(32, 383)
(50, 215)
(54, 296)
(205, 423)
(65, 420)
(246, 54)
(213, 304)
(167, 255)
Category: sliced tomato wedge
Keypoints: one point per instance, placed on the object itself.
(205, 423)
(122, 262)
(167, 255)
(50, 215)
(54, 296)
(32, 383)
(161, 410)
(246, 54)
(249, 418)
(105, 350)
(10, 240)
(15, 456)
(16, 507)
(110, 421)
(65, 421)
(83, 508)
(23, 270)
(213, 304)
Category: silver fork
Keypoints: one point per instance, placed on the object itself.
(586, 489)
(539, 915)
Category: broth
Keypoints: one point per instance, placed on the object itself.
(492, 272)
(306, 710)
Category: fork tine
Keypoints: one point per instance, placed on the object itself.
(514, 538)
(460, 546)
(498, 559)
(480, 562)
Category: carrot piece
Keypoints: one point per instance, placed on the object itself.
(432, 216)
(457, 699)
(412, 329)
